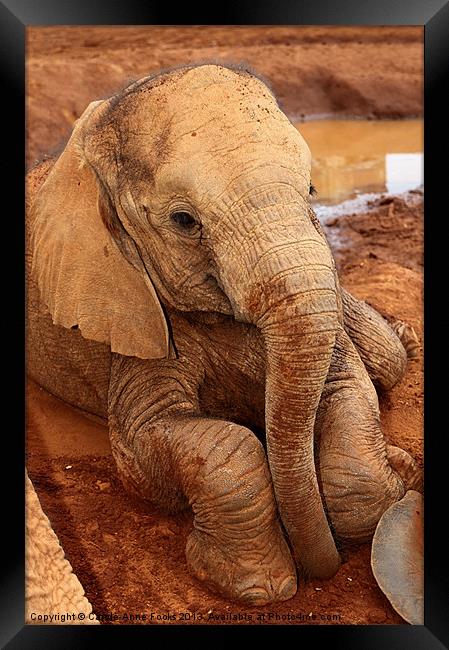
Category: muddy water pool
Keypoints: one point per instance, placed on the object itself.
(353, 157)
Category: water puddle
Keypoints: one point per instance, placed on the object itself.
(352, 157)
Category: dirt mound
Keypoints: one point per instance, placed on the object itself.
(341, 71)
(389, 229)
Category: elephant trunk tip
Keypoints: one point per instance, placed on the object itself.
(323, 568)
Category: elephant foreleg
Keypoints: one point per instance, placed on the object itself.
(358, 483)
(174, 457)
(382, 348)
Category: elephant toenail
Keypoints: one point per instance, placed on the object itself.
(287, 588)
(255, 596)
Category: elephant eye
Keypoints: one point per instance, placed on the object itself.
(183, 219)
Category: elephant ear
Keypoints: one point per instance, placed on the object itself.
(83, 278)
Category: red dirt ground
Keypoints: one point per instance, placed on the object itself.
(128, 556)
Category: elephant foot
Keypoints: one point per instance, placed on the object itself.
(408, 338)
(246, 576)
(406, 467)
(397, 557)
(356, 497)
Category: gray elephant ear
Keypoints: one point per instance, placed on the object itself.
(83, 278)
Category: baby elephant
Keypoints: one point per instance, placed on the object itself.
(181, 287)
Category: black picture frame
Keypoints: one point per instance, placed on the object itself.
(15, 16)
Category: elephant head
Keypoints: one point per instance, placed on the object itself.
(190, 189)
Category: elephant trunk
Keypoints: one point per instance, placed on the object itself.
(299, 349)
(294, 303)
